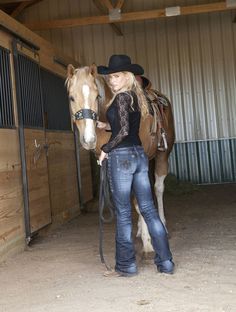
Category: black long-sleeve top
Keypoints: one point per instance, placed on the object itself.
(123, 116)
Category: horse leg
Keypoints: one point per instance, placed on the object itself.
(161, 170)
(143, 231)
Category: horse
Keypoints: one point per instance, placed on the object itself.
(89, 94)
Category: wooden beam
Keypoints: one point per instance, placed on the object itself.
(19, 9)
(12, 1)
(126, 17)
(116, 29)
(107, 4)
(13, 26)
(119, 4)
(22, 6)
(114, 26)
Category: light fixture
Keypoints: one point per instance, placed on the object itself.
(114, 14)
(231, 3)
(172, 11)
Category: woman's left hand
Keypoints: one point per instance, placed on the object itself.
(102, 156)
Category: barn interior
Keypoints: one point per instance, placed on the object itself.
(48, 181)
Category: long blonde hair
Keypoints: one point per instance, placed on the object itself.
(133, 85)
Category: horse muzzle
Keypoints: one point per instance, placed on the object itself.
(89, 146)
(88, 142)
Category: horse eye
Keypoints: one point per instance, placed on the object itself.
(72, 99)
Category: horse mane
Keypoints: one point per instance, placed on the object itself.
(104, 95)
(101, 84)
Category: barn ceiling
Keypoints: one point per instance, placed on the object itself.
(113, 12)
(15, 7)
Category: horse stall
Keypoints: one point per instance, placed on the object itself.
(187, 50)
(42, 170)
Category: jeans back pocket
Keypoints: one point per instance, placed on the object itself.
(126, 163)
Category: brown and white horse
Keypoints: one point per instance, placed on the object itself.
(88, 94)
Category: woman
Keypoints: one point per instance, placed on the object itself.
(128, 166)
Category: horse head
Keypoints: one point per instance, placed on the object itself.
(83, 96)
(88, 94)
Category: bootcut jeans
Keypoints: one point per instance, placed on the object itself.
(128, 174)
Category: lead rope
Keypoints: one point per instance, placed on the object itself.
(104, 198)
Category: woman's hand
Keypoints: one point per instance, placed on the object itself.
(103, 125)
(102, 156)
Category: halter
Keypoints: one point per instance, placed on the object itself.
(86, 113)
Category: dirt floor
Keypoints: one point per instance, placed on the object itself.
(61, 270)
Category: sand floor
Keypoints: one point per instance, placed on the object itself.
(61, 270)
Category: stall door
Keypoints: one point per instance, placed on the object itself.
(32, 138)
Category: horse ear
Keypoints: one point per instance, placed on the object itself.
(93, 69)
(70, 70)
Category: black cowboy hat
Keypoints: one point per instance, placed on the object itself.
(119, 63)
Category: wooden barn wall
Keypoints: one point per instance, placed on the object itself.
(63, 175)
(11, 197)
(12, 231)
(189, 58)
(62, 169)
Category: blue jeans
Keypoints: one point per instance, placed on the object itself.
(128, 173)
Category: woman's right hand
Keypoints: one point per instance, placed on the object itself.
(102, 156)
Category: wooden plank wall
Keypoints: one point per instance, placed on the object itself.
(63, 189)
(12, 231)
(37, 176)
(62, 176)
(11, 198)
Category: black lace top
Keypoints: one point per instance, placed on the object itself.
(123, 116)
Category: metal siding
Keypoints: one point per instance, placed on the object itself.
(174, 81)
(205, 162)
(214, 160)
(233, 157)
(163, 71)
(185, 78)
(229, 67)
(196, 76)
(193, 162)
(226, 162)
(191, 59)
(218, 76)
(181, 162)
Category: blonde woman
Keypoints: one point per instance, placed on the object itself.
(128, 167)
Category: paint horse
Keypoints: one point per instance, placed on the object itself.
(88, 94)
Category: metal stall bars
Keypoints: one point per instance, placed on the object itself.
(37, 205)
(6, 107)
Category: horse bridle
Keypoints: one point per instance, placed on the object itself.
(86, 113)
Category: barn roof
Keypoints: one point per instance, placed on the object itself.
(114, 12)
